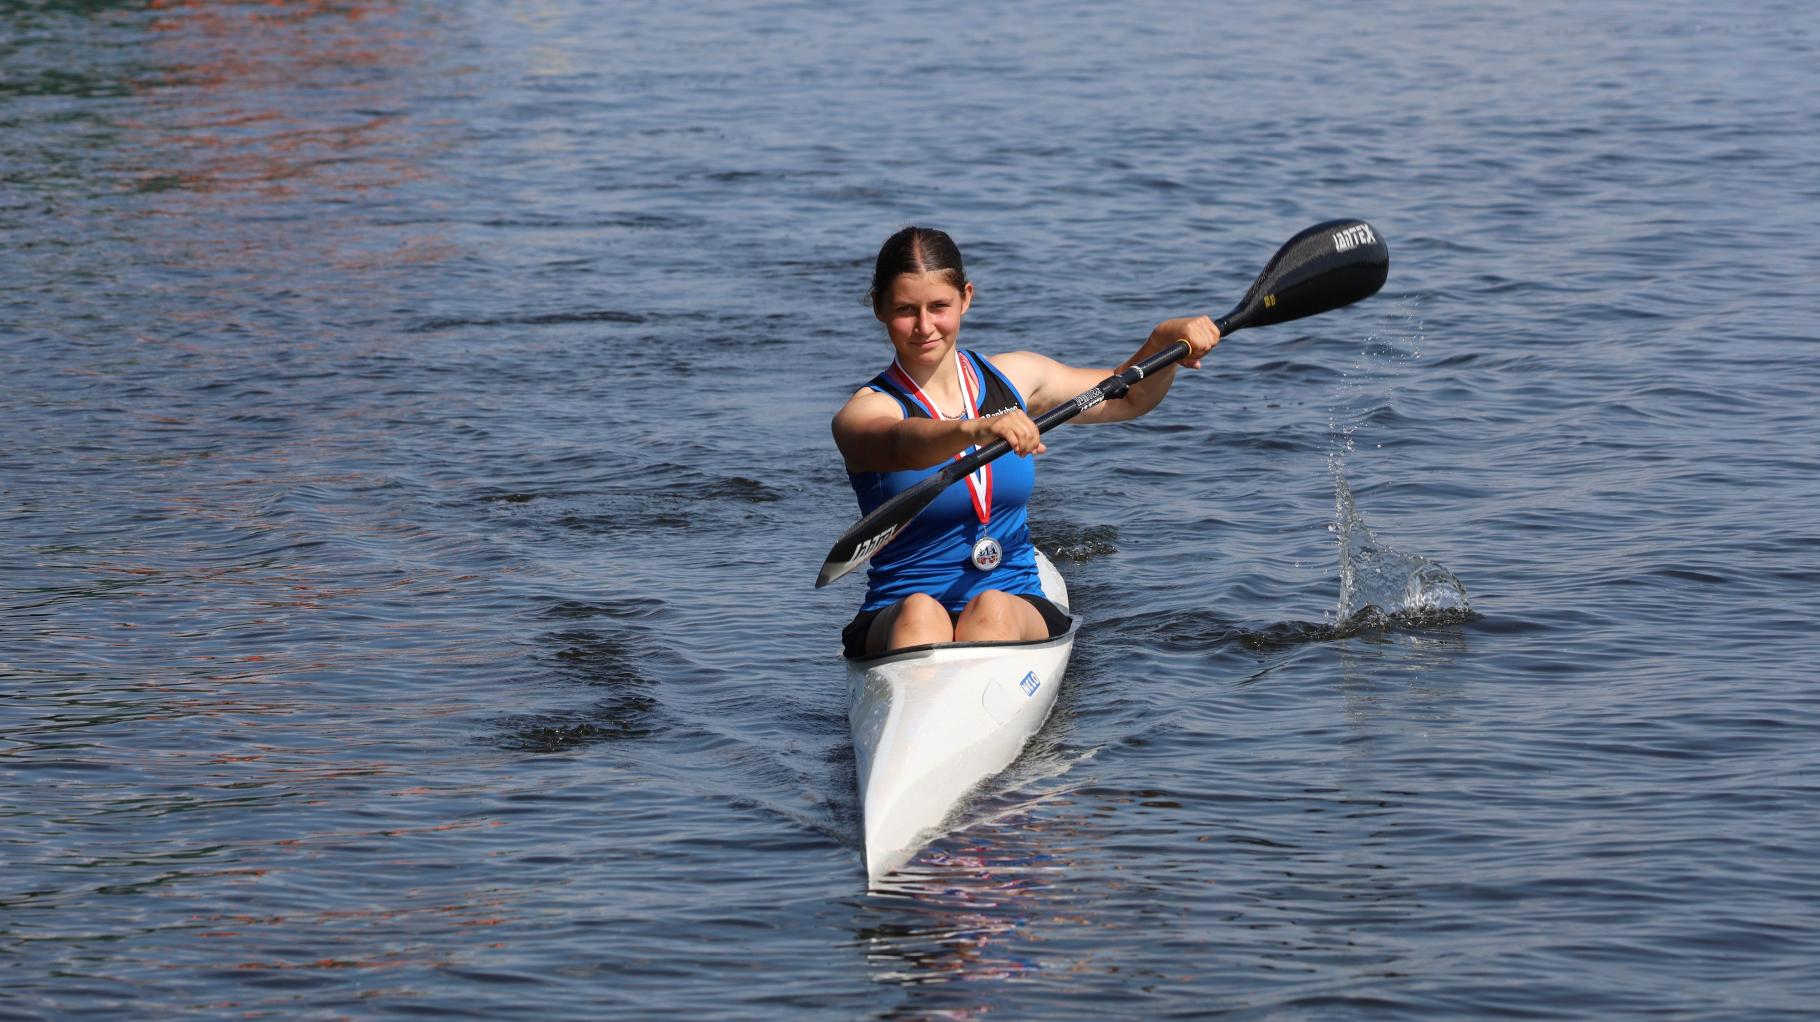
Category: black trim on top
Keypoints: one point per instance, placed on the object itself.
(1074, 625)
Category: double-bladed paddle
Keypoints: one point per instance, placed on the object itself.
(1324, 267)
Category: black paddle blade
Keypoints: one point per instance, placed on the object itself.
(857, 545)
(1324, 267)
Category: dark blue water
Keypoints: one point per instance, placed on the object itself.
(416, 462)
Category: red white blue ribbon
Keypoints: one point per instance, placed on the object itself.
(979, 482)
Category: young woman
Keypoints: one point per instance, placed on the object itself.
(964, 569)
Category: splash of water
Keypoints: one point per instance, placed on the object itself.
(1381, 585)
(1381, 588)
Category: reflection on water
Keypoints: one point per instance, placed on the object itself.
(289, 129)
(973, 913)
(279, 101)
(1299, 893)
(956, 915)
(227, 599)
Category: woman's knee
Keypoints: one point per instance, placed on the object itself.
(993, 603)
(916, 620)
(995, 614)
(923, 609)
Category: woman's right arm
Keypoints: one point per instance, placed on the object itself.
(874, 436)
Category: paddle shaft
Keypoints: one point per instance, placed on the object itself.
(1109, 389)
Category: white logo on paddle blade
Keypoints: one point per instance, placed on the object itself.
(1352, 237)
(869, 547)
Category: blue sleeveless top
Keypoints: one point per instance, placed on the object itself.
(933, 553)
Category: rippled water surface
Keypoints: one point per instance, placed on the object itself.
(416, 463)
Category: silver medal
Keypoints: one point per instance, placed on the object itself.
(987, 553)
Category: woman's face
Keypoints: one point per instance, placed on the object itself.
(922, 313)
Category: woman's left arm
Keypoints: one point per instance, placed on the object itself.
(1047, 383)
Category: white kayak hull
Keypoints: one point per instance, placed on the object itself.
(932, 723)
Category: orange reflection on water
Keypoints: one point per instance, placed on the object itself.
(418, 933)
(274, 97)
(275, 147)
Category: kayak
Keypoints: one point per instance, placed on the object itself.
(932, 723)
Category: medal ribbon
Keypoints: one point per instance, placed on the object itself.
(979, 482)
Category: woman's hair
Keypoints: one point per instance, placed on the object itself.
(916, 250)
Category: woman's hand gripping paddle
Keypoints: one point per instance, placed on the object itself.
(1323, 268)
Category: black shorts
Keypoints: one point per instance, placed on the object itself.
(853, 637)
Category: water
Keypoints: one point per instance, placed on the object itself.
(416, 462)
